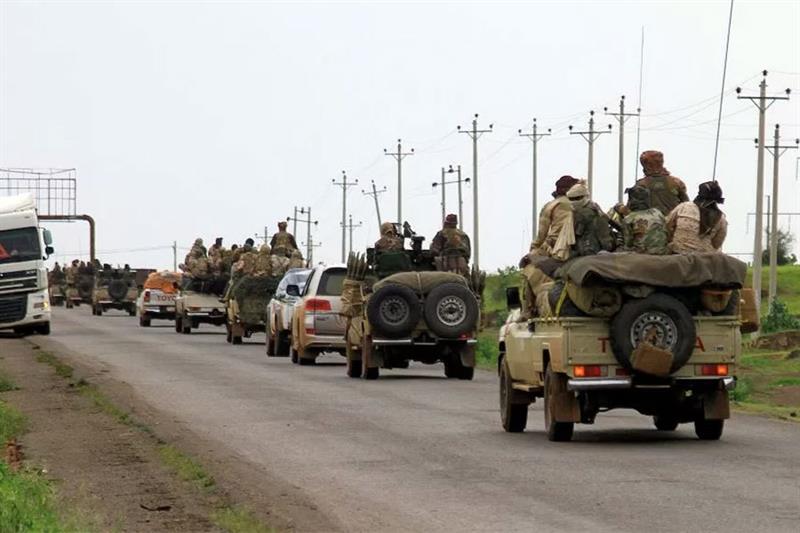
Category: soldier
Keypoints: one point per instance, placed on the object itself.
(297, 261)
(591, 225)
(698, 226)
(215, 255)
(666, 191)
(263, 267)
(197, 250)
(552, 219)
(71, 273)
(451, 247)
(283, 242)
(644, 228)
(390, 241)
(247, 247)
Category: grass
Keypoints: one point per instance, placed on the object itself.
(788, 286)
(6, 384)
(27, 503)
(234, 519)
(12, 423)
(765, 376)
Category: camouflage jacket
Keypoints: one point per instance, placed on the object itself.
(451, 241)
(666, 192)
(283, 241)
(389, 243)
(645, 232)
(592, 231)
(551, 219)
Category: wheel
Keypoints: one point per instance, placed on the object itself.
(94, 311)
(302, 360)
(282, 343)
(236, 339)
(98, 310)
(371, 373)
(131, 310)
(659, 319)
(556, 431)
(354, 369)
(455, 369)
(450, 369)
(293, 355)
(144, 321)
(665, 422)
(451, 310)
(68, 304)
(42, 329)
(186, 325)
(708, 429)
(228, 334)
(467, 373)
(394, 310)
(178, 324)
(270, 344)
(514, 416)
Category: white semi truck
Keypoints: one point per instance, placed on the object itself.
(24, 246)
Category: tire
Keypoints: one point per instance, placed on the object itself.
(659, 314)
(394, 311)
(42, 329)
(178, 324)
(144, 321)
(68, 304)
(293, 355)
(131, 310)
(709, 429)
(305, 361)
(354, 369)
(186, 325)
(98, 310)
(117, 289)
(236, 340)
(450, 369)
(271, 342)
(451, 310)
(467, 373)
(514, 416)
(371, 373)
(283, 342)
(556, 431)
(665, 422)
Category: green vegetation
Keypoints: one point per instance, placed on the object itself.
(238, 520)
(185, 467)
(788, 286)
(769, 383)
(63, 370)
(27, 503)
(5, 383)
(779, 319)
(12, 423)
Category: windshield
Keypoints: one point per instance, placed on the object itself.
(21, 244)
(294, 277)
(330, 284)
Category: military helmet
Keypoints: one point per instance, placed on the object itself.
(638, 198)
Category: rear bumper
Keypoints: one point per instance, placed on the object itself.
(412, 342)
(621, 383)
(322, 342)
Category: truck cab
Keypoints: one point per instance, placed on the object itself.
(24, 246)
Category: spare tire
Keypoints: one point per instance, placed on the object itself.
(393, 311)
(117, 289)
(451, 310)
(85, 288)
(658, 319)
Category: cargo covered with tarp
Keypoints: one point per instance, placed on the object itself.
(671, 271)
(164, 281)
(421, 282)
(251, 295)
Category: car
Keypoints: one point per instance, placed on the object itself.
(157, 300)
(280, 311)
(317, 323)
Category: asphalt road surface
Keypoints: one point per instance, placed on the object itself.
(416, 452)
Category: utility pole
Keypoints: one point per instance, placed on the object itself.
(174, 256)
(444, 184)
(308, 222)
(350, 226)
(777, 151)
(534, 136)
(621, 117)
(265, 236)
(344, 184)
(475, 134)
(762, 103)
(399, 155)
(590, 137)
(374, 193)
(310, 245)
(294, 223)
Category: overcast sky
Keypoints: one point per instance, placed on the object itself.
(192, 119)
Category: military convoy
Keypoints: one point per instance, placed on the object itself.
(667, 345)
(399, 308)
(246, 306)
(199, 302)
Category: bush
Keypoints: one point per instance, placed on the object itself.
(779, 319)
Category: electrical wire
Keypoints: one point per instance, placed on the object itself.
(722, 93)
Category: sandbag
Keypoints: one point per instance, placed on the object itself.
(715, 300)
(421, 282)
(352, 298)
(600, 301)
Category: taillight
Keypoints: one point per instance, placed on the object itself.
(714, 370)
(587, 371)
(146, 296)
(317, 305)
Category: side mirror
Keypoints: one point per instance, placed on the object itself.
(293, 290)
(512, 298)
(47, 236)
(49, 250)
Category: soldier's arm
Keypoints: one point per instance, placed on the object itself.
(604, 232)
(682, 191)
(544, 229)
(469, 246)
(272, 241)
(722, 231)
(437, 244)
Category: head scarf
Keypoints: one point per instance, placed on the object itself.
(578, 195)
(451, 221)
(709, 195)
(387, 228)
(638, 198)
(563, 184)
(653, 163)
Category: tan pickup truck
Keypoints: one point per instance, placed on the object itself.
(661, 353)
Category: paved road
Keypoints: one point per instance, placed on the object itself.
(416, 452)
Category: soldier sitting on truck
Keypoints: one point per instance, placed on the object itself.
(390, 241)
(215, 255)
(666, 191)
(296, 260)
(283, 242)
(451, 248)
(591, 225)
(644, 227)
(699, 226)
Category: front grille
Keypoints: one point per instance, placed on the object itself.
(13, 308)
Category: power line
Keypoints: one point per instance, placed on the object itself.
(534, 136)
(590, 137)
(722, 92)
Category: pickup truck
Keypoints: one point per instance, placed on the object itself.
(157, 300)
(199, 302)
(584, 365)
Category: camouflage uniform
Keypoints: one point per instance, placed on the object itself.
(263, 267)
(666, 191)
(216, 253)
(592, 228)
(390, 241)
(451, 248)
(296, 261)
(644, 229)
(283, 242)
(279, 264)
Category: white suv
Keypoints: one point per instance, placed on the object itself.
(280, 311)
